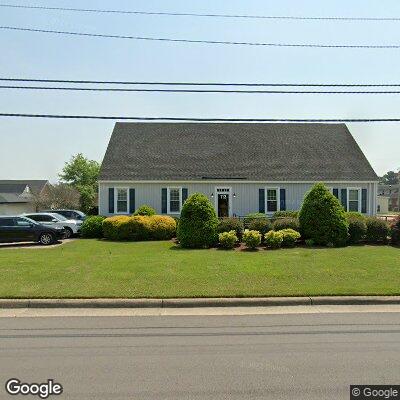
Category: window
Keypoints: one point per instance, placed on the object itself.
(353, 200)
(22, 222)
(7, 222)
(122, 200)
(272, 199)
(174, 200)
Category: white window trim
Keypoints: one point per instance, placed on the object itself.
(228, 192)
(116, 201)
(359, 197)
(278, 198)
(168, 200)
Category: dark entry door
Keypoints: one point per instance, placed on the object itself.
(223, 205)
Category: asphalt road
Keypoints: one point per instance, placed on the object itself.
(292, 356)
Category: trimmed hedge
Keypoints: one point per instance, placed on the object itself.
(145, 210)
(286, 223)
(251, 239)
(395, 231)
(139, 227)
(357, 227)
(227, 240)
(262, 225)
(92, 227)
(285, 214)
(253, 216)
(198, 223)
(377, 230)
(231, 224)
(322, 218)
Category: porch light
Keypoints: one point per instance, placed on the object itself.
(234, 195)
(212, 195)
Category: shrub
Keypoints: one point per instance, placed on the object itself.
(92, 227)
(290, 237)
(322, 217)
(286, 223)
(262, 225)
(309, 242)
(274, 239)
(115, 228)
(229, 224)
(285, 214)
(357, 227)
(145, 210)
(377, 230)
(395, 231)
(227, 240)
(198, 223)
(253, 216)
(162, 227)
(252, 239)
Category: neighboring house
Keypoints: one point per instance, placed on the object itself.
(392, 192)
(382, 204)
(241, 168)
(17, 196)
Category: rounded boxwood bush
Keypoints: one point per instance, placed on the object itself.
(274, 239)
(198, 223)
(290, 237)
(116, 228)
(162, 227)
(92, 227)
(286, 223)
(322, 217)
(251, 239)
(357, 227)
(262, 225)
(145, 210)
(377, 230)
(227, 240)
(229, 224)
(395, 231)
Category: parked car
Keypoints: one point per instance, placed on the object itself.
(69, 214)
(71, 226)
(22, 229)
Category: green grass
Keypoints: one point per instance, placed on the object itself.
(92, 268)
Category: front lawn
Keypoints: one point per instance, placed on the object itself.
(93, 268)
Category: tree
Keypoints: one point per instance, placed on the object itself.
(82, 174)
(322, 218)
(390, 178)
(56, 196)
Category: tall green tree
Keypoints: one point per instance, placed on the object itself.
(82, 174)
(390, 178)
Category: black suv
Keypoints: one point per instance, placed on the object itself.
(22, 229)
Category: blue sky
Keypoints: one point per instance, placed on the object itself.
(35, 148)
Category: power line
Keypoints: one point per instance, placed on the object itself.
(198, 90)
(102, 35)
(199, 83)
(180, 14)
(194, 119)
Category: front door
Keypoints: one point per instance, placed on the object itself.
(223, 205)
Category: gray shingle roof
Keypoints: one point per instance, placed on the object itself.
(18, 186)
(257, 152)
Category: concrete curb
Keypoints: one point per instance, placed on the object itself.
(199, 302)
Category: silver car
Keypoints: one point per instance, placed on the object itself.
(71, 226)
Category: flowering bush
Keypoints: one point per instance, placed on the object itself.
(252, 239)
(274, 239)
(227, 240)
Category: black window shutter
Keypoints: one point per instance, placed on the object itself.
(132, 206)
(111, 200)
(336, 192)
(364, 201)
(261, 200)
(164, 200)
(282, 197)
(184, 195)
(344, 198)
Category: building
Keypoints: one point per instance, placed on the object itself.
(17, 196)
(241, 168)
(392, 193)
